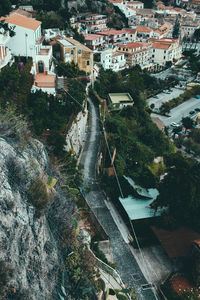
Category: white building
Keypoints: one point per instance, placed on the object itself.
(188, 29)
(124, 6)
(43, 70)
(5, 53)
(137, 53)
(144, 33)
(165, 50)
(94, 41)
(113, 60)
(134, 4)
(27, 40)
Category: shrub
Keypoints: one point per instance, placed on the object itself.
(100, 284)
(38, 194)
(121, 297)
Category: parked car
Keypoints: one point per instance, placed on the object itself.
(191, 112)
(197, 109)
(174, 124)
(155, 97)
(197, 96)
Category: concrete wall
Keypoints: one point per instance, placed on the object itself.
(77, 133)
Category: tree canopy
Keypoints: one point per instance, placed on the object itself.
(180, 189)
(5, 7)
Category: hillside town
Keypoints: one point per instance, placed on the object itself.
(154, 39)
(99, 149)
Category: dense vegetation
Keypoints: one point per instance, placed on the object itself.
(180, 189)
(194, 60)
(136, 138)
(47, 114)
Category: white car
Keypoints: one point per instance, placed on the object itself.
(174, 124)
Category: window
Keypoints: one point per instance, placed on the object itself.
(153, 50)
(88, 62)
(72, 51)
(153, 55)
(165, 51)
(164, 57)
(79, 51)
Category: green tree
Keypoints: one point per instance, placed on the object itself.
(5, 7)
(179, 190)
(187, 122)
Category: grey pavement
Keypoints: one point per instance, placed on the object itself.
(126, 263)
(179, 112)
(163, 97)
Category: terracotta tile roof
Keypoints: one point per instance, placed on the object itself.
(111, 32)
(134, 45)
(160, 46)
(115, 1)
(176, 243)
(92, 37)
(158, 31)
(45, 81)
(143, 29)
(129, 30)
(22, 21)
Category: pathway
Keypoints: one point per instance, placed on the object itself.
(127, 265)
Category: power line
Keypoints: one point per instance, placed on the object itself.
(121, 192)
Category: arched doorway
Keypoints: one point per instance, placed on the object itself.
(40, 66)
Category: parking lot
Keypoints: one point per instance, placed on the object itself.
(164, 97)
(179, 112)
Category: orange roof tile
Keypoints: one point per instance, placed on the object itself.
(45, 81)
(22, 21)
(92, 37)
(133, 45)
(160, 46)
(143, 29)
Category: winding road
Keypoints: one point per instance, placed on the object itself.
(126, 263)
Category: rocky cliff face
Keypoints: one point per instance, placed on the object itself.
(30, 261)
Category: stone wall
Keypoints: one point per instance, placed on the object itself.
(77, 133)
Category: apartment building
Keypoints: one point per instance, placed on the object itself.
(144, 33)
(128, 10)
(71, 50)
(187, 29)
(137, 53)
(115, 37)
(164, 50)
(94, 41)
(28, 39)
(111, 59)
(43, 71)
(94, 23)
(163, 31)
(134, 4)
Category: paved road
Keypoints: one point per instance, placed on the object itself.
(179, 112)
(122, 255)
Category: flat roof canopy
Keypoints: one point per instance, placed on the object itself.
(139, 208)
(117, 98)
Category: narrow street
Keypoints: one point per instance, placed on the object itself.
(126, 263)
